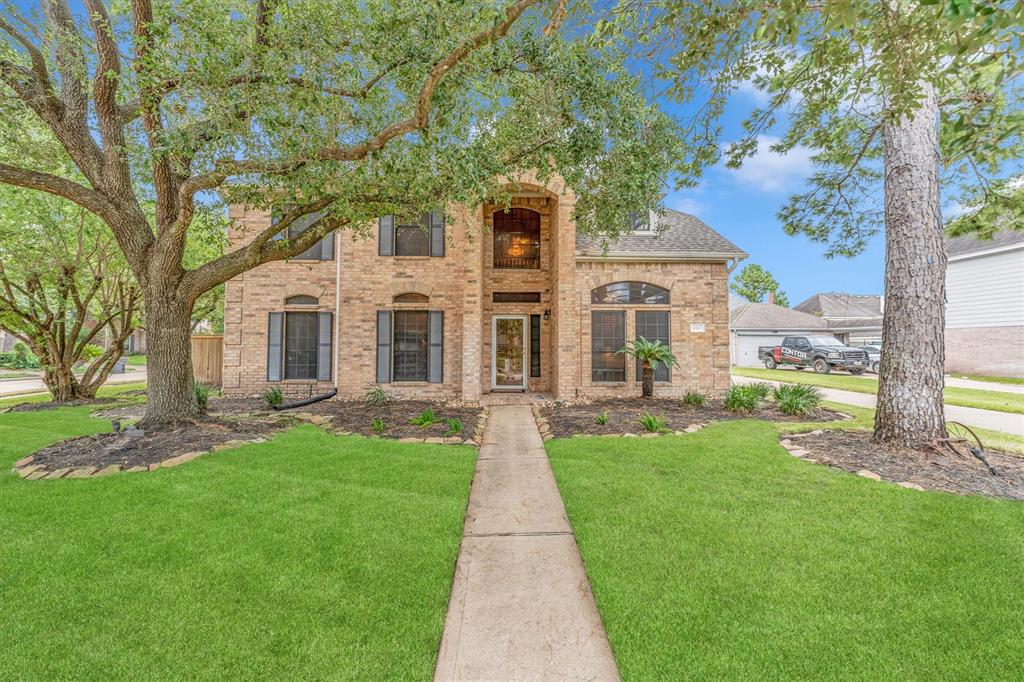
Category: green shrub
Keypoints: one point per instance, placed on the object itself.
(741, 399)
(425, 418)
(379, 427)
(375, 396)
(695, 398)
(202, 396)
(601, 419)
(22, 358)
(273, 397)
(761, 390)
(653, 423)
(454, 426)
(797, 398)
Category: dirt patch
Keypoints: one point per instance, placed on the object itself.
(930, 469)
(105, 449)
(36, 407)
(356, 417)
(624, 414)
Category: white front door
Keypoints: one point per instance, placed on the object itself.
(508, 352)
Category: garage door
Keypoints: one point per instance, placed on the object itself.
(745, 350)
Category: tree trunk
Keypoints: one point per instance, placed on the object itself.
(170, 392)
(646, 379)
(910, 409)
(62, 384)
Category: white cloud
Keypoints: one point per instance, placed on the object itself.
(770, 171)
(688, 205)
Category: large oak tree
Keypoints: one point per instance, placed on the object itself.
(350, 108)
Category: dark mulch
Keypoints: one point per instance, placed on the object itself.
(36, 407)
(152, 447)
(624, 415)
(356, 417)
(854, 451)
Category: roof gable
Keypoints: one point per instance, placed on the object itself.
(680, 235)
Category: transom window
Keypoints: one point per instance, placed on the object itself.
(516, 239)
(629, 293)
(516, 297)
(411, 298)
(301, 300)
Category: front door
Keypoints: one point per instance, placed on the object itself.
(508, 353)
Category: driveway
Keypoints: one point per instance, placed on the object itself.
(986, 419)
(12, 387)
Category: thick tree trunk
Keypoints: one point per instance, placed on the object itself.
(170, 393)
(910, 409)
(646, 379)
(63, 385)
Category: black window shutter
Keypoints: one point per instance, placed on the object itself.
(435, 341)
(325, 334)
(275, 335)
(383, 346)
(437, 233)
(386, 236)
(534, 345)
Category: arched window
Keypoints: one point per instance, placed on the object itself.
(516, 239)
(629, 293)
(301, 300)
(411, 298)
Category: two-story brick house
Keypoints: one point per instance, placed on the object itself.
(455, 311)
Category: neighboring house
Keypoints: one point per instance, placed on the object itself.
(7, 341)
(985, 305)
(765, 324)
(855, 319)
(452, 311)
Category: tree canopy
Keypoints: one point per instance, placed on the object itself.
(754, 283)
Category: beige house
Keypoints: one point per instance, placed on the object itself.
(447, 310)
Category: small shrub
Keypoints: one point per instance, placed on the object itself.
(601, 419)
(425, 418)
(375, 396)
(797, 398)
(653, 423)
(761, 390)
(454, 426)
(379, 427)
(695, 398)
(202, 396)
(23, 358)
(273, 397)
(740, 399)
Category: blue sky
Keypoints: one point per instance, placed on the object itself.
(742, 204)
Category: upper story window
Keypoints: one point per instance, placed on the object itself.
(401, 237)
(517, 239)
(322, 250)
(630, 293)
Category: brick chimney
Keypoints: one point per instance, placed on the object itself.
(771, 297)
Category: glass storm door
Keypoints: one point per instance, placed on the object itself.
(509, 352)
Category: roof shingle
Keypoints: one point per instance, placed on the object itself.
(682, 235)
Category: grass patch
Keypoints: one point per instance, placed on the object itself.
(965, 397)
(136, 360)
(718, 556)
(104, 392)
(1018, 381)
(309, 556)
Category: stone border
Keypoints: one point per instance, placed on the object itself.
(794, 449)
(545, 430)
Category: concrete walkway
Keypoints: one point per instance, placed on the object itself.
(521, 606)
(1007, 422)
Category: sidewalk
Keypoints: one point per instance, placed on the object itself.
(14, 387)
(521, 607)
(1006, 422)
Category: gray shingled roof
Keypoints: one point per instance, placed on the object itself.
(842, 305)
(773, 317)
(961, 246)
(683, 235)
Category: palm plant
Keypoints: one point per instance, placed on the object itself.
(649, 353)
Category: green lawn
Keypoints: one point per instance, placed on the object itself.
(985, 377)
(307, 557)
(965, 397)
(136, 360)
(717, 555)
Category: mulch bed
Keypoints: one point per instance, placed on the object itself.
(36, 407)
(356, 417)
(624, 415)
(930, 469)
(105, 449)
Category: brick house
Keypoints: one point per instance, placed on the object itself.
(453, 311)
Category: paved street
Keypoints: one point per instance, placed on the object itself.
(12, 387)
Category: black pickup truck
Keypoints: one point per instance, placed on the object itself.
(823, 353)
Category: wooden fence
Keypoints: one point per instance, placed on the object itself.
(207, 359)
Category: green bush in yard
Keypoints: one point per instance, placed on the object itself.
(761, 390)
(741, 399)
(601, 419)
(202, 396)
(425, 418)
(653, 423)
(453, 426)
(376, 396)
(695, 398)
(273, 397)
(379, 427)
(20, 357)
(797, 398)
